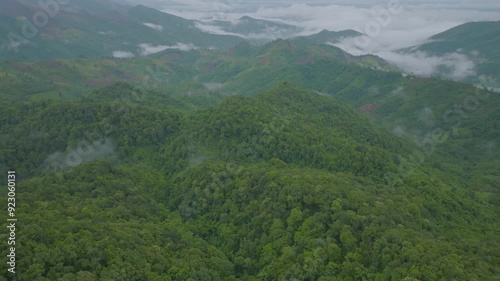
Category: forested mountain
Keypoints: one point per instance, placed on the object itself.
(182, 70)
(289, 160)
(288, 184)
(101, 29)
(326, 36)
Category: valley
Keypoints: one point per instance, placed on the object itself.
(191, 155)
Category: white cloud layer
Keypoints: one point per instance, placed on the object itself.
(148, 49)
(453, 65)
(123, 54)
(417, 21)
(269, 34)
(153, 26)
(413, 25)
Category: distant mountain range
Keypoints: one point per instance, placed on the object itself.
(73, 78)
(329, 37)
(147, 147)
(257, 30)
(94, 29)
(108, 29)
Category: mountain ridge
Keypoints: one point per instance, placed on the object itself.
(222, 192)
(205, 157)
(92, 33)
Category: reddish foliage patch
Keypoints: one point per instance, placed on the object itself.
(53, 65)
(50, 31)
(21, 67)
(63, 84)
(209, 67)
(265, 60)
(369, 108)
(109, 63)
(100, 82)
(306, 60)
(171, 57)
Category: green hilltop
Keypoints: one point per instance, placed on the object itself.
(413, 108)
(289, 160)
(284, 184)
(74, 78)
(326, 36)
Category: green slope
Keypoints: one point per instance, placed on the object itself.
(96, 29)
(412, 108)
(473, 36)
(171, 70)
(326, 36)
(287, 184)
(207, 166)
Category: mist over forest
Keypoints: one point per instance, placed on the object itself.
(250, 140)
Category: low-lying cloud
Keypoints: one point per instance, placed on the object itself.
(414, 25)
(267, 34)
(212, 86)
(84, 152)
(123, 54)
(145, 49)
(148, 49)
(153, 26)
(452, 65)
(417, 21)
